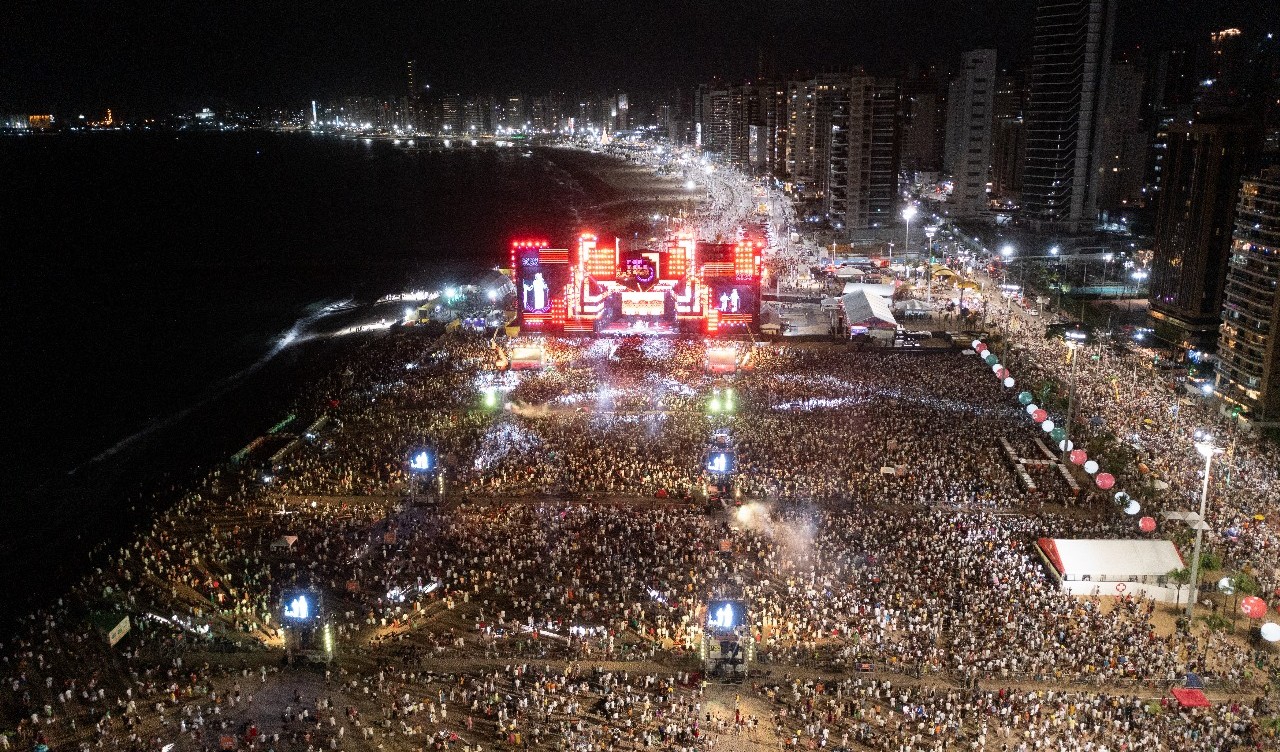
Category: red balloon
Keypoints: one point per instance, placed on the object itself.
(1039, 416)
(1147, 524)
(1105, 480)
(1002, 374)
(980, 349)
(1077, 456)
(1253, 607)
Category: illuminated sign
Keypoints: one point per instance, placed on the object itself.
(644, 303)
(420, 462)
(720, 463)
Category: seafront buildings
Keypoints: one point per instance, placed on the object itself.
(1071, 49)
(1248, 351)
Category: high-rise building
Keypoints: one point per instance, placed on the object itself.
(713, 108)
(968, 156)
(1070, 51)
(923, 126)
(800, 140)
(1249, 340)
(860, 186)
(1194, 213)
(1122, 151)
(1008, 137)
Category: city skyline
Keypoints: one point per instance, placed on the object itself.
(66, 57)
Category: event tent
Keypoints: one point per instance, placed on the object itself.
(1112, 567)
(868, 310)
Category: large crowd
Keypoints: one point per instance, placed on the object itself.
(555, 595)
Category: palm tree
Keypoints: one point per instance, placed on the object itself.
(1179, 577)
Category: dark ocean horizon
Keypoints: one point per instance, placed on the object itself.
(150, 277)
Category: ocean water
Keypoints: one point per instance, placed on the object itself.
(149, 280)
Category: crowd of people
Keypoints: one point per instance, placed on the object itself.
(543, 580)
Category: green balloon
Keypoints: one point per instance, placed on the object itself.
(1025, 398)
(1058, 434)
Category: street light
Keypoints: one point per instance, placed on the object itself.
(929, 232)
(907, 214)
(1206, 448)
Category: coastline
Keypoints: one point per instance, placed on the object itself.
(77, 518)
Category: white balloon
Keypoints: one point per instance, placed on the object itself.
(1271, 632)
(975, 344)
(1133, 508)
(1066, 445)
(1091, 467)
(995, 367)
(1008, 382)
(1047, 426)
(1032, 408)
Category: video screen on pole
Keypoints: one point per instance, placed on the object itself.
(720, 463)
(729, 297)
(724, 616)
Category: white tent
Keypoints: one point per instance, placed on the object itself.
(1112, 567)
(884, 291)
(863, 308)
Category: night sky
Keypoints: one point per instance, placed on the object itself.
(146, 55)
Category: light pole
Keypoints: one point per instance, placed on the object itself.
(907, 214)
(1075, 342)
(1205, 447)
(929, 232)
(1007, 254)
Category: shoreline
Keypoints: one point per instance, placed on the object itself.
(109, 493)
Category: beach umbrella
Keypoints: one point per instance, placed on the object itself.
(1047, 426)
(1271, 632)
(1226, 586)
(1253, 607)
(1008, 382)
(1105, 481)
(1025, 398)
(1039, 415)
(1091, 467)
(1078, 456)
(1147, 524)
(1133, 508)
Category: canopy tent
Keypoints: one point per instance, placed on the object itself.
(770, 321)
(912, 305)
(1112, 567)
(527, 358)
(1190, 698)
(847, 272)
(884, 291)
(942, 271)
(284, 541)
(865, 309)
(721, 360)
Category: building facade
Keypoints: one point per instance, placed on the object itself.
(1248, 353)
(860, 190)
(1194, 218)
(1070, 51)
(968, 156)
